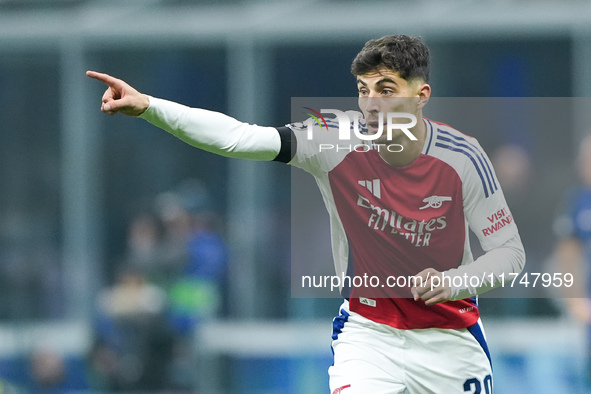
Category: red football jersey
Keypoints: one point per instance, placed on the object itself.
(389, 223)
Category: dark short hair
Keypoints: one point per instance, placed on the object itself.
(407, 55)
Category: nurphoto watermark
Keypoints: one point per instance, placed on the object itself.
(350, 124)
(338, 125)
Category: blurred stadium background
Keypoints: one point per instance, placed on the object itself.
(89, 202)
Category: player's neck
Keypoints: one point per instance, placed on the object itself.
(411, 150)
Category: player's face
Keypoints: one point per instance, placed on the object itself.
(385, 91)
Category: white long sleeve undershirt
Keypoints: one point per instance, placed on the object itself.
(214, 131)
(488, 271)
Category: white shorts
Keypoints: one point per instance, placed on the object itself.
(375, 358)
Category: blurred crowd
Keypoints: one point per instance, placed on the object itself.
(170, 279)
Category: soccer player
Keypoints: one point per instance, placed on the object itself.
(402, 206)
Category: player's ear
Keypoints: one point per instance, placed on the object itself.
(424, 93)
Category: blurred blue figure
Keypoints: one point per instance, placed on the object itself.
(196, 294)
(198, 257)
(573, 250)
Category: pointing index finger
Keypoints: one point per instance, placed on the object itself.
(104, 78)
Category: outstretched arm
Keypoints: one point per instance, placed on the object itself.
(207, 130)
